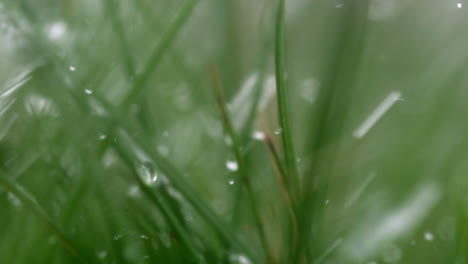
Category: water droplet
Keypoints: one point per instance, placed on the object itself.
(428, 236)
(327, 201)
(231, 182)
(232, 165)
(72, 68)
(117, 236)
(278, 131)
(147, 173)
(258, 135)
(40, 105)
(102, 254)
(102, 137)
(144, 237)
(459, 5)
(88, 91)
(309, 87)
(133, 191)
(56, 31)
(239, 259)
(340, 6)
(391, 253)
(298, 160)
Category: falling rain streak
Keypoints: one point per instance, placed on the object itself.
(362, 130)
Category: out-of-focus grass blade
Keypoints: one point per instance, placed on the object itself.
(279, 171)
(236, 148)
(161, 49)
(332, 109)
(38, 211)
(164, 208)
(292, 179)
(121, 38)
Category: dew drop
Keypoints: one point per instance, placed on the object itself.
(239, 259)
(459, 5)
(102, 137)
(147, 173)
(144, 237)
(117, 236)
(309, 87)
(88, 91)
(133, 191)
(232, 165)
(258, 135)
(231, 182)
(278, 131)
(72, 68)
(56, 31)
(428, 236)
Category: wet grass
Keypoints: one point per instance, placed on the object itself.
(126, 138)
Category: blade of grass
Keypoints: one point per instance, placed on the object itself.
(161, 49)
(39, 212)
(261, 68)
(279, 172)
(331, 112)
(111, 7)
(236, 149)
(163, 207)
(292, 180)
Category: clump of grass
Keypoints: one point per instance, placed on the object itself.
(119, 143)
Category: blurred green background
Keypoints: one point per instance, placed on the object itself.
(113, 148)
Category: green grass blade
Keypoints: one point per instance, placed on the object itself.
(121, 38)
(292, 180)
(39, 212)
(157, 201)
(236, 148)
(161, 49)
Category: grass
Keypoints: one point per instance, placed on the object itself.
(225, 132)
